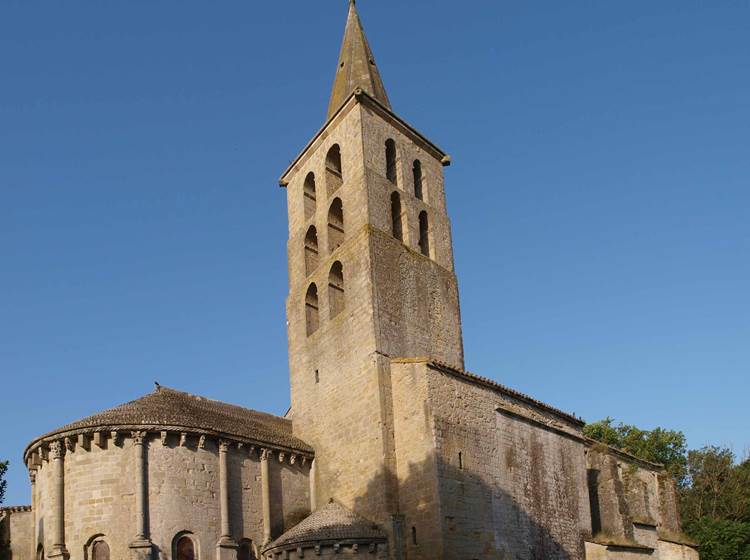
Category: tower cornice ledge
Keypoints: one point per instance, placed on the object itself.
(360, 96)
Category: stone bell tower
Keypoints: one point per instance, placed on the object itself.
(371, 279)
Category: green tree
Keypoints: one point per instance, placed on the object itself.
(721, 539)
(668, 447)
(3, 482)
(718, 488)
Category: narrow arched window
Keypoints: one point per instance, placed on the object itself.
(311, 309)
(397, 227)
(335, 225)
(184, 548)
(390, 161)
(336, 294)
(334, 173)
(311, 250)
(245, 551)
(417, 171)
(424, 234)
(309, 196)
(100, 551)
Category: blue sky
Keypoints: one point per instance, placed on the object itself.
(599, 197)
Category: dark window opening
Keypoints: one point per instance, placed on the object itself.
(424, 234)
(460, 460)
(390, 161)
(418, 179)
(334, 173)
(100, 551)
(414, 535)
(246, 551)
(335, 225)
(311, 250)
(309, 196)
(185, 549)
(396, 217)
(336, 295)
(317, 376)
(311, 309)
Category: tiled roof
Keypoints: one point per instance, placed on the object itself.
(170, 409)
(331, 523)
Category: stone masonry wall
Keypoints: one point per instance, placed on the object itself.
(16, 535)
(508, 486)
(183, 495)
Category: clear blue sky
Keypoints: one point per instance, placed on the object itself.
(599, 196)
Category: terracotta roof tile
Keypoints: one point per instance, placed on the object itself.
(333, 522)
(168, 408)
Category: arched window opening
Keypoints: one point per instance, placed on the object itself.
(336, 294)
(334, 173)
(311, 250)
(460, 460)
(413, 535)
(317, 376)
(390, 161)
(418, 179)
(424, 234)
(397, 227)
(309, 196)
(335, 225)
(184, 547)
(246, 551)
(311, 309)
(100, 551)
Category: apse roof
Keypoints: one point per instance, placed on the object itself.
(169, 409)
(331, 523)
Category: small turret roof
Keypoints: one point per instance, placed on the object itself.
(331, 523)
(356, 68)
(167, 408)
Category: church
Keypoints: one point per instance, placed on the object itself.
(390, 449)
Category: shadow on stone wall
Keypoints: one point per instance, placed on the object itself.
(476, 520)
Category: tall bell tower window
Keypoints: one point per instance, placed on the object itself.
(335, 225)
(311, 309)
(396, 224)
(311, 250)
(390, 161)
(336, 294)
(417, 171)
(309, 196)
(424, 234)
(334, 173)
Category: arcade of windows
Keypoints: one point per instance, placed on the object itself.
(184, 547)
(334, 178)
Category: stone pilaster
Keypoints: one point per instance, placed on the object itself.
(313, 486)
(226, 548)
(32, 480)
(266, 495)
(140, 547)
(57, 455)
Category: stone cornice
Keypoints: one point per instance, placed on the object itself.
(15, 509)
(67, 439)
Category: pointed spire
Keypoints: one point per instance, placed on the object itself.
(356, 67)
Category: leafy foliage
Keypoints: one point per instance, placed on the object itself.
(721, 539)
(667, 447)
(3, 482)
(718, 488)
